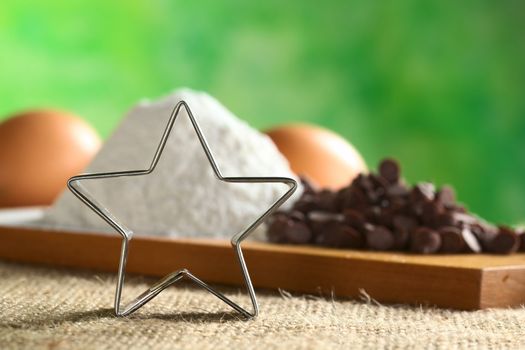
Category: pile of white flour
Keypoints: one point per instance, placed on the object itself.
(182, 197)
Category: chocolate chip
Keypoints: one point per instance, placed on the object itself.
(504, 242)
(445, 219)
(383, 212)
(379, 238)
(386, 216)
(341, 236)
(306, 203)
(451, 240)
(464, 218)
(286, 230)
(379, 182)
(364, 182)
(397, 190)
(390, 170)
(373, 214)
(384, 203)
(521, 234)
(404, 223)
(423, 191)
(471, 241)
(319, 220)
(298, 233)
(297, 215)
(353, 197)
(323, 216)
(350, 237)
(483, 232)
(401, 240)
(399, 205)
(458, 208)
(429, 214)
(354, 218)
(277, 228)
(326, 200)
(446, 196)
(373, 197)
(425, 241)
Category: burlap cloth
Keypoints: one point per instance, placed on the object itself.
(57, 309)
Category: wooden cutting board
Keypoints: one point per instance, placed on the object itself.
(466, 282)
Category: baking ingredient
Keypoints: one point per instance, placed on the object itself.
(380, 212)
(182, 197)
(319, 154)
(425, 241)
(39, 151)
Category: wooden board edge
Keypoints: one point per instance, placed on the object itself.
(502, 287)
(295, 270)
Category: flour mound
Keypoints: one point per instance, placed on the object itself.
(182, 197)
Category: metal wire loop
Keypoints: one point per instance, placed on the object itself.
(75, 185)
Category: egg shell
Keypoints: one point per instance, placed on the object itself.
(319, 154)
(39, 151)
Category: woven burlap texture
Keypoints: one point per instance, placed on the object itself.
(43, 308)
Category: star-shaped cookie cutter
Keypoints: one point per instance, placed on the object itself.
(74, 184)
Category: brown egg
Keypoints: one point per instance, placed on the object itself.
(323, 156)
(39, 151)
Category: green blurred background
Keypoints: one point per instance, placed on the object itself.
(438, 84)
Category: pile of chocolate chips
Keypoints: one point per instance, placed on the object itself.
(380, 212)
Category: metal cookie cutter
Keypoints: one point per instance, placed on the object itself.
(75, 185)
